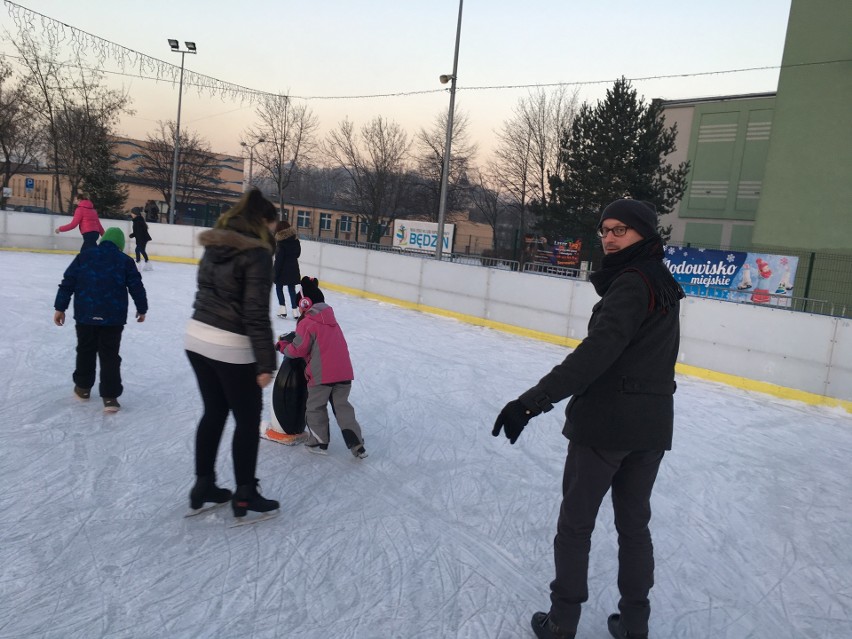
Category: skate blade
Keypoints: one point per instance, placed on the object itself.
(256, 519)
(194, 512)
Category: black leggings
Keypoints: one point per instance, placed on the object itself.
(140, 251)
(227, 388)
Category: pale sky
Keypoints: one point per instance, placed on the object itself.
(347, 48)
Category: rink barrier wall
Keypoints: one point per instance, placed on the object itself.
(791, 355)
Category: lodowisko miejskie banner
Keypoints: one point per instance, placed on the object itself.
(760, 278)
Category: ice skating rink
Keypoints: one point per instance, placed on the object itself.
(443, 532)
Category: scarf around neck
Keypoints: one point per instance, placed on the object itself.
(646, 258)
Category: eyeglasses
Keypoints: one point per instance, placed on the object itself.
(617, 231)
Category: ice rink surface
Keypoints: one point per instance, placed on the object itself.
(443, 531)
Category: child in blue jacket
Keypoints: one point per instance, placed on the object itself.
(99, 279)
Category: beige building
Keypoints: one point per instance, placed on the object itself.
(311, 221)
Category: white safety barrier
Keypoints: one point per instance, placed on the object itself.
(800, 351)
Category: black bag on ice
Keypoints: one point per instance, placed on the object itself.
(290, 396)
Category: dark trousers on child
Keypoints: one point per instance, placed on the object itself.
(589, 474)
(140, 251)
(99, 343)
(227, 388)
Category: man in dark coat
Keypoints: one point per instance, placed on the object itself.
(618, 422)
(99, 279)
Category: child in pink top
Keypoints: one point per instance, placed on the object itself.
(319, 340)
(86, 217)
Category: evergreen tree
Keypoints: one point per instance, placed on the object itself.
(615, 149)
(100, 180)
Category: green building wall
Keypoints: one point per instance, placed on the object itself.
(806, 201)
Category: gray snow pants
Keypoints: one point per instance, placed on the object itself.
(316, 414)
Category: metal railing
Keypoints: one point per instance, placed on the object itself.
(556, 271)
(775, 300)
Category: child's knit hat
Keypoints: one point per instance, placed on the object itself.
(114, 235)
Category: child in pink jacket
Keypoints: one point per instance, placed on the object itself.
(86, 217)
(319, 340)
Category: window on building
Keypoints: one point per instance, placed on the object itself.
(286, 214)
(325, 221)
(346, 223)
(304, 219)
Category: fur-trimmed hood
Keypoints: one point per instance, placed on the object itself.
(285, 234)
(230, 239)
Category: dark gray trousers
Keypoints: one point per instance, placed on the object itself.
(589, 474)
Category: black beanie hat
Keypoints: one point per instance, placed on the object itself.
(641, 216)
(310, 289)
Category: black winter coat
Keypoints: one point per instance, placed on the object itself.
(287, 252)
(140, 230)
(621, 375)
(234, 281)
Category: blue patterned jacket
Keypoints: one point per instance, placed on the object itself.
(99, 279)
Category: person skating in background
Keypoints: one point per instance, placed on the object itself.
(152, 211)
(618, 422)
(287, 252)
(86, 217)
(100, 279)
(230, 346)
(319, 340)
(140, 233)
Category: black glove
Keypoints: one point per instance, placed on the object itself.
(512, 420)
(288, 337)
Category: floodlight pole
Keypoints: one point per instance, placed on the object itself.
(442, 206)
(172, 200)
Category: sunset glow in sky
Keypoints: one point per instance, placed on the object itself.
(336, 49)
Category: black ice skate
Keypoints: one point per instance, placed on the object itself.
(246, 499)
(544, 628)
(206, 495)
(617, 629)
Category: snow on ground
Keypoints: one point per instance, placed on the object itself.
(443, 531)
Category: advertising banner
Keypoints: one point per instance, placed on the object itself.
(561, 253)
(733, 275)
(421, 236)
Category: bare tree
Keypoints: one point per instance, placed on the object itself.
(74, 108)
(431, 145)
(21, 137)
(318, 186)
(487, 201)
(528, 153)
(197, 170)
(375, 162)
(547, 116)
(288, 131)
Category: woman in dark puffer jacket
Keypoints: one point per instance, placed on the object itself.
(230, 347)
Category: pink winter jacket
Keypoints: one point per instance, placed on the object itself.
(320, 342)
(86, 216)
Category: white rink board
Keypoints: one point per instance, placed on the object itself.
(811, 353)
